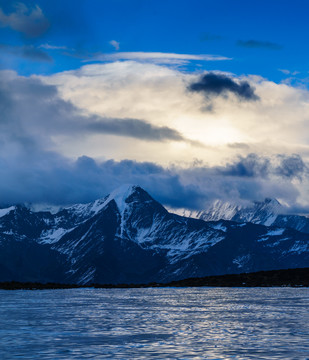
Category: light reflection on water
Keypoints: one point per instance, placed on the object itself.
(166, 323)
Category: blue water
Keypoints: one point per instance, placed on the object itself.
(168, 323)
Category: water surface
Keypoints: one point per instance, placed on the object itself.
(159, 323)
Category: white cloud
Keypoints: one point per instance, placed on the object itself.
(276, 123)
(157, 57)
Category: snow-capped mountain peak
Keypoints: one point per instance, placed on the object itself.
(259, 212)
(121, 194)
(129, 237)
(269, 212)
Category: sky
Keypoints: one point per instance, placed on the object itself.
(192, 100)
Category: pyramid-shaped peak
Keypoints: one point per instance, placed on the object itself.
(123, 192)
(126, 191)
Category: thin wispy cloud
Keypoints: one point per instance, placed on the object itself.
(158, 57)
(289, 72)
(52, 47)
(28, 52)
(115, 44)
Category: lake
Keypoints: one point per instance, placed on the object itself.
(155, 323)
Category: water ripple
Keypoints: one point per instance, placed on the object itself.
(167, 323)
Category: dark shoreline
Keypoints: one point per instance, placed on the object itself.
(273, 278)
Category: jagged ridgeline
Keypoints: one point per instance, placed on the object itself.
(128, 237)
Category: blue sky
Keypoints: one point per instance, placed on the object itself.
(260, 36)
(193, 100)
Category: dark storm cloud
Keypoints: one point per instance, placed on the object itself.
(291, 167)
(255, 44)
(29, 52)
(253, 165)
(29, 21)
(190, 187)
(39, 176)
(219, 84)
(249, 166)
(135, 128)
(50, 178)
(284, 166)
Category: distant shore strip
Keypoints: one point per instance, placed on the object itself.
(273, 278)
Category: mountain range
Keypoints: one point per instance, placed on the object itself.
(128, 237)
(268, 212)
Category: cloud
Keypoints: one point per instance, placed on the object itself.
(159, 95)
(52, 47)
(29, 52)
(47, 123)
(255, 44)
(30, 21)
(33, 114)
(284, 71)
(135, 128)
(115, 44)
(157, 57)
(255, 166)
(41, 111)
(291, 167)
(238, 146)
(288, 72)
(53, 179)
(219, 84)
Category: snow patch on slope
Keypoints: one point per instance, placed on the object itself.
(219, 227)
(241, 261)
(4, 212)
(276, 232)
(89, 209)
(52, 236)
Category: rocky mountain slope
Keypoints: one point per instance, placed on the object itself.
(128, 237)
